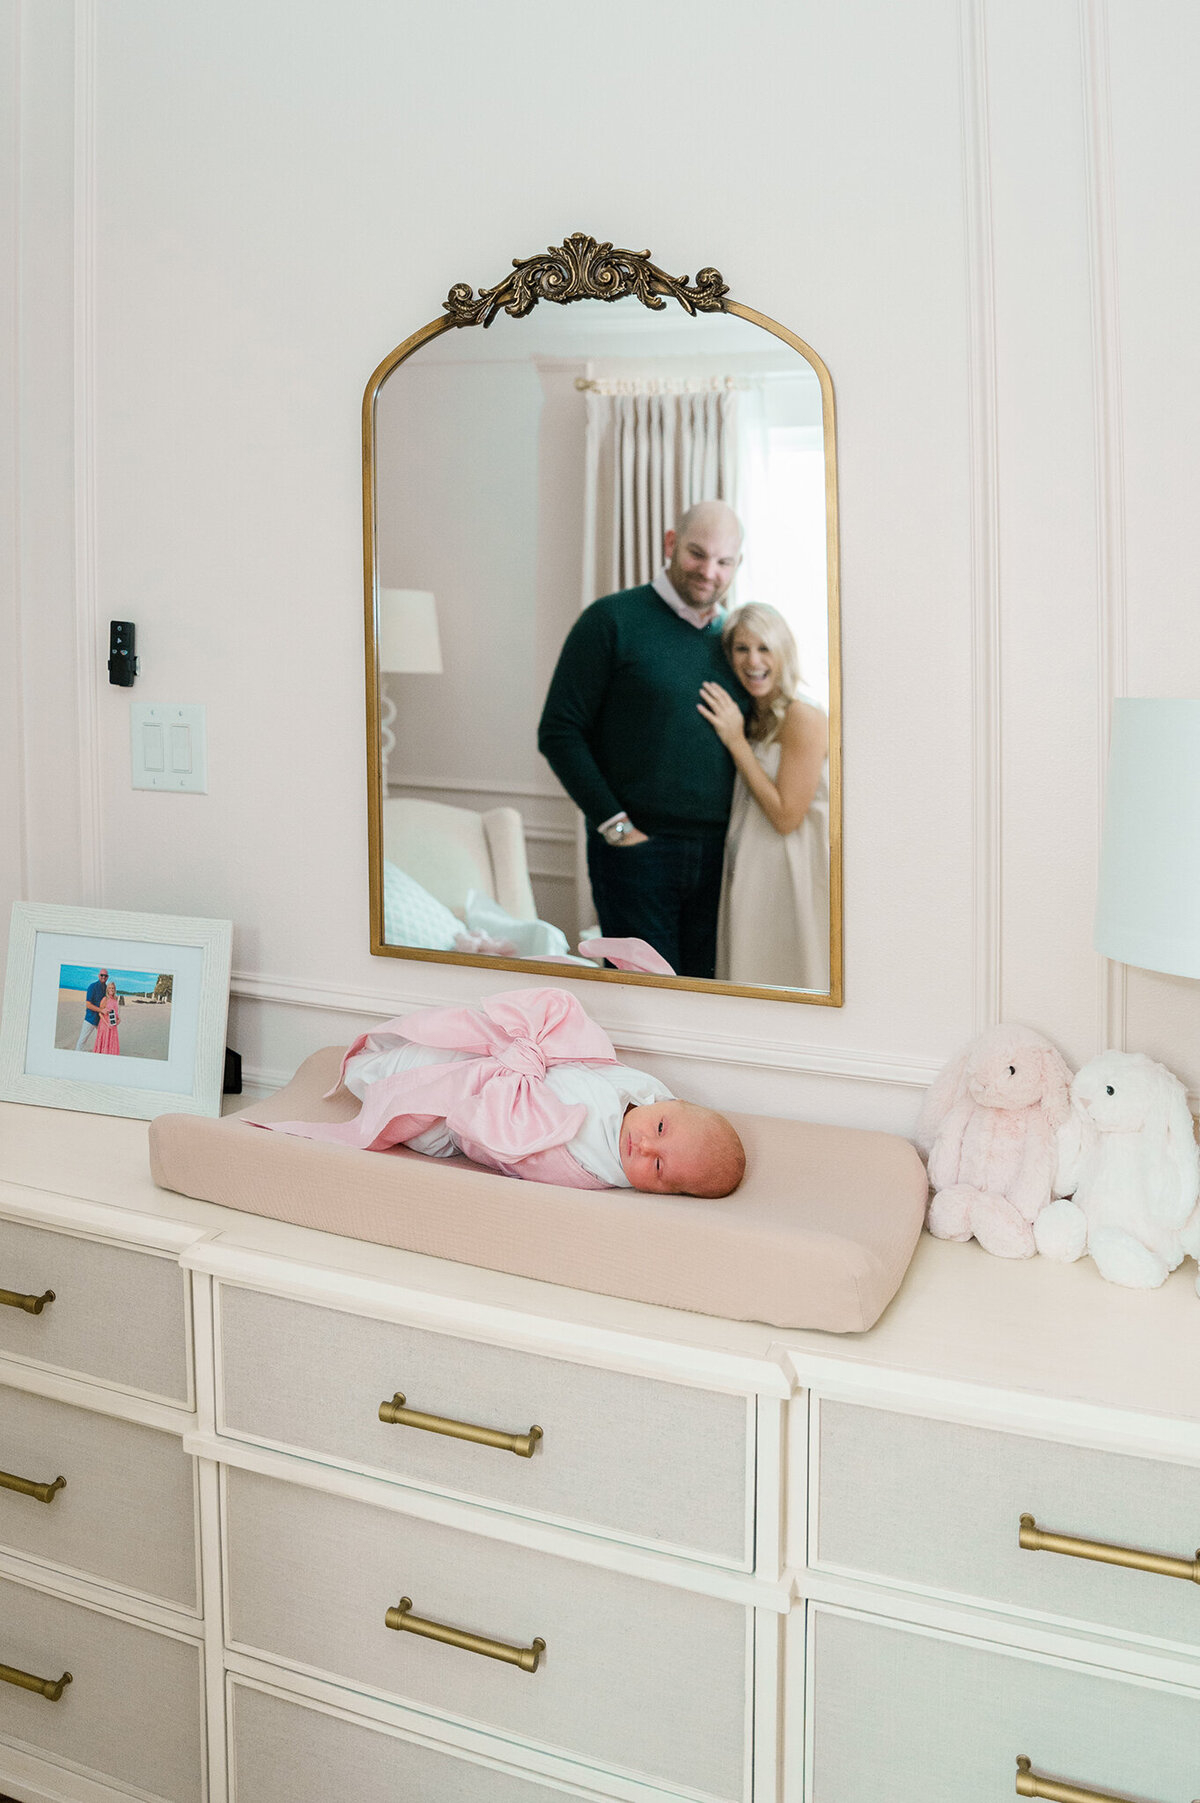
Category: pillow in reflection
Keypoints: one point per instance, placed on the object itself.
(532, 938)
(411, 916)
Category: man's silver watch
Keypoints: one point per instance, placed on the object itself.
(617, 831)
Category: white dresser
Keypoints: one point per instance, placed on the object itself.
(312, 1543)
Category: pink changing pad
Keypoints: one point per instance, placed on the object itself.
(820, 1233)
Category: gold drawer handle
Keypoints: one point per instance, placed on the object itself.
(50, 1688)
(1032, 1784)
(526, 1658)
(399, 1416)
(1034, 1540)
(26, 1487)
(33, 1305)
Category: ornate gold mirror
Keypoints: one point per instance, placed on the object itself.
(602, 650)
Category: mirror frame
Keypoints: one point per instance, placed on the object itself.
(582, 268)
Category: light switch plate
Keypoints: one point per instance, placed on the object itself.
(168, 746)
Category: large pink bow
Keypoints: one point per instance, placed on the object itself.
(496, 1102)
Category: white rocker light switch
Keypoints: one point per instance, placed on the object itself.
(168, 747)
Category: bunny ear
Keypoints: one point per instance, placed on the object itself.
(1056, 1092)
(1172, 1116)
(947, 1088)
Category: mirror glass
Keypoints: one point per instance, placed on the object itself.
(518, 474)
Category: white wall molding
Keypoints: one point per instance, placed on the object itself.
(969, 209)
(550, 852)
(1112, 618)
(750, 1051)
(464, 785)
(87, 611)
(985, 506)
(16, 798)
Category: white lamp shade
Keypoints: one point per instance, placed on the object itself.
(408, 632)
(1148, 906)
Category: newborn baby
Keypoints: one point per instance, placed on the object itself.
(529, 1086)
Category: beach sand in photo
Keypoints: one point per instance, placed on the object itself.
(145, 1027)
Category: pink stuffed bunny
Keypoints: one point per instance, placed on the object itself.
(988, 1127)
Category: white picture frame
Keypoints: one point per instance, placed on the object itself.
(172, 1060)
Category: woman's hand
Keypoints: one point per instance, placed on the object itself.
(722, 713)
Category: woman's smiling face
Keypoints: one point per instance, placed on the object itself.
(753, 664)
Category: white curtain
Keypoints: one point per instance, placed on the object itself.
(654, 448)
(751, 498)
(780, 500)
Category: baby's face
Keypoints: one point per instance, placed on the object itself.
(666, 1147)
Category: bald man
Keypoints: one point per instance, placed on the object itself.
(622, 732)
(91, 1012)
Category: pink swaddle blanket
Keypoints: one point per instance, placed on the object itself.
(495, 1102)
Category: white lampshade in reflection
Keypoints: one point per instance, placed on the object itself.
(408, 632)
(1148, 907)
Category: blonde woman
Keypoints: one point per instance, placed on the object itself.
(108, 1037)
(774, 919)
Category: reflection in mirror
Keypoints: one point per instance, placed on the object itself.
(604, 619)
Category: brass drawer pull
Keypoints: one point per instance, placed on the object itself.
(1034, 1540)
(33, 1305)
(26, 1487)
(50, 1688)
(524, 1657)
(1032, 1784)
(398, 1415)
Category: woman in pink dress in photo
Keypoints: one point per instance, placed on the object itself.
(108, 1038)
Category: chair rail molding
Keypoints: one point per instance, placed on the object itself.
(483, 785)
(748, 1050)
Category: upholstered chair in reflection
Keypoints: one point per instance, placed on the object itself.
(451, 851)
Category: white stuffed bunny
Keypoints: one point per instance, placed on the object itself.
(988, 1126)
(1128, 1159)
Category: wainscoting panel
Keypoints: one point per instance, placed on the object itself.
(218, 237)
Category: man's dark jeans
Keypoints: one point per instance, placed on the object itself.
(666, 892)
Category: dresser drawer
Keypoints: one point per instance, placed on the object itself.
(937, 1506)
(127, 1512)
(287, 1752)
(119, 1317)
(918, 1719)
(653, 1462)
(133, 1712)
(642, 1677)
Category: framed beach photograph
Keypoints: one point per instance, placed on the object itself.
(114, 1013)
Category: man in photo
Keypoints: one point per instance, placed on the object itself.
(622, 731)
(91, 1012)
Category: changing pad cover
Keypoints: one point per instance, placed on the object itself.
(819, 1234)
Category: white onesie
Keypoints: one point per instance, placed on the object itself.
(606, 1090)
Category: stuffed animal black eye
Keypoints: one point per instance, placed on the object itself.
(1012, 1070)
(1109, 1090)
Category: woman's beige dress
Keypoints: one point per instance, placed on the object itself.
(774, 921)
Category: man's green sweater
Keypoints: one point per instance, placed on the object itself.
(620, 728)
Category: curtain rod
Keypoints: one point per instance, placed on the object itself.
(659, 384)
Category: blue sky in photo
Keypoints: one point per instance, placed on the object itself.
(128, 982)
